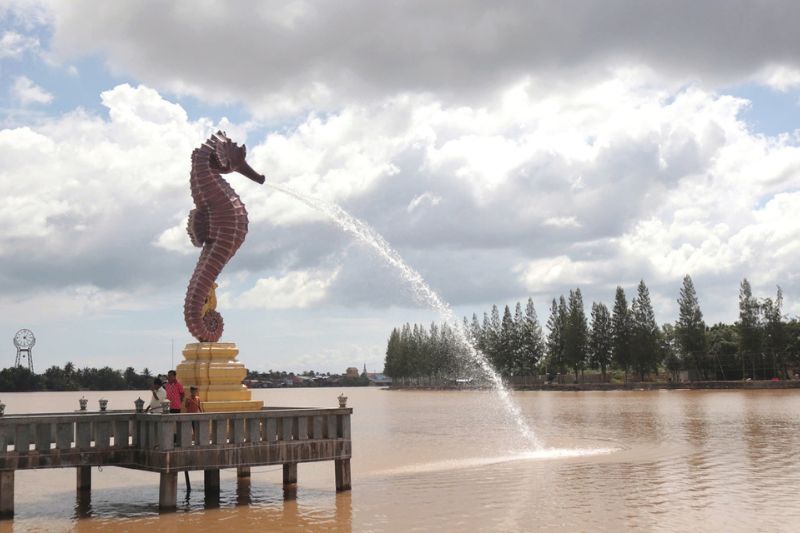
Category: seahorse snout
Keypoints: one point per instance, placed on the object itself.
(247, 171)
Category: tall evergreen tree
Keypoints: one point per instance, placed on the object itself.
(563, 318)
(435, 352)
(406, 362)
(601, 340)
(453, 350)
(518, 359)
(792, 328)
(496, 321)
(621, 332)
(418, 359)
(576, 337)
(775, 339)
(723, 350)
(492, 334)
(645, 332)
(390, 364)
(476, 333)
(690, 329)
(489, 337)
(466, 328)
(556, 326)
(668, 345)
(749, 330)
(504, 356)
(531, 342)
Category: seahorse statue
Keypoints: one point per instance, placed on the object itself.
(218, 224)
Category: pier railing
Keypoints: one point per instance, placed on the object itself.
(129, 439)
(269, 427)
(168, 443)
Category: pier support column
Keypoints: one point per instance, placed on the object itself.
(289, 481)
(211, 481)
(83, 478)
(168, 491)
(6, 493)
(83, 503)
(342, 467)
(243, 485)
(289, 474)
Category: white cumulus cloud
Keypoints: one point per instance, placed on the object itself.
(26, 92)
(13, 45)
(294, 289)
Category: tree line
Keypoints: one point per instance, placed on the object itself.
(513, 345)
(70, 378)
(762, 344)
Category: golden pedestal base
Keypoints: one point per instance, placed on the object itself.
(213, 369)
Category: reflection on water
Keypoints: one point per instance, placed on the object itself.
(474, 462)
(446, 461)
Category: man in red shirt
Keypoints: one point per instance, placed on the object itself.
(175, 393)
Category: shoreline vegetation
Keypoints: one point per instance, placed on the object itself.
(630, 386)
(71, 378)
(614, 347)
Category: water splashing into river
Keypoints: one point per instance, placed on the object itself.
(422, 291)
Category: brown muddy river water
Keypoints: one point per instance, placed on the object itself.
(451, 461)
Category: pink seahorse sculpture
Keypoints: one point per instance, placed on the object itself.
(218, 224)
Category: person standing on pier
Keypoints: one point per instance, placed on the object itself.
(158, 396)
(193, 401)
(175, 392)
(193, 405)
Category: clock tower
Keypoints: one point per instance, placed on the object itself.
(24, 341)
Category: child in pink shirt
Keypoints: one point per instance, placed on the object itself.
(193, 401)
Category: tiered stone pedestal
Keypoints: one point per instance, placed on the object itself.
(213, 369)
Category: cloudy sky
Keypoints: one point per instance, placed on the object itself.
(506, 149)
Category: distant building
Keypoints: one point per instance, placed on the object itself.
(381, 380)
(351, 372)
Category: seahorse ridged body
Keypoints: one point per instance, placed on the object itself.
(218, 224)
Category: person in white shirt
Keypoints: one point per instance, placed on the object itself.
(159, 394)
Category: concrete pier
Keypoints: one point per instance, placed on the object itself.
(211, 482)
(6, 493)
(342, 467)
(168, 491)
(171, 443)
(84, 478)
(290, 473)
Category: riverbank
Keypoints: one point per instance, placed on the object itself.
(631, 385)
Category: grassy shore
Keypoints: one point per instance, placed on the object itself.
(631, 385)
(661, 385)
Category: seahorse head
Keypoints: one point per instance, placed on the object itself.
(230, 157)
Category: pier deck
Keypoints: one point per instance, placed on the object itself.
(170, 443)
